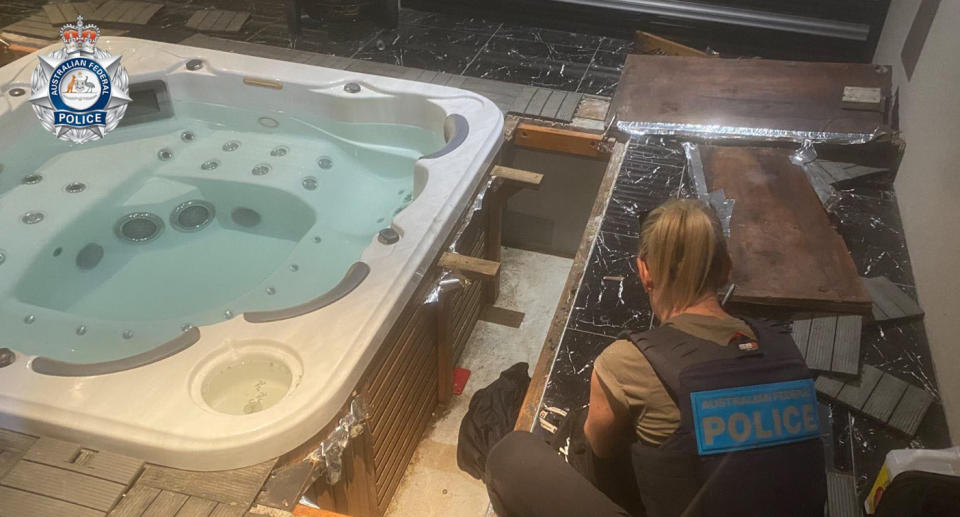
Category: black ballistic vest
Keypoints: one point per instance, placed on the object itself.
(773, 481)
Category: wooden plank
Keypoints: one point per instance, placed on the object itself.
(237, 22)
(523, 178)
(14, 441)
(223, 21)
(129, 13)
(501, 316)
(911, 410)
(479, 267)
(846, 345)
(125, 12)
(885, 397)
(646, 43)
(196, 507)
(569, 106)
(537, 102)
(746, 93)
(541, 370)
(891, 300)
(135, 501)
(166, 504)
(13, 446)
(842, 498)
(820, 346)
(62, 484)
(856, 393)
(238, 486)
(553, 103)
(18, 503)
(785, 251)
(884, 308)
(35, 25)
(73, 457)
(828, 386)
(801, 335)
(211, 20)
(559, 139)
(196, 20)
(227, 510)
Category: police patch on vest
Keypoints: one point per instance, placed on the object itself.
(750, 417)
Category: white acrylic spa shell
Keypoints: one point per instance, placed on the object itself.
(164, 412)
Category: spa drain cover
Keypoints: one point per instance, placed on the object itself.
(139, 227)
(192, 216)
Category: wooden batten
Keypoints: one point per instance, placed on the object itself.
(546, 138)
(646, 43)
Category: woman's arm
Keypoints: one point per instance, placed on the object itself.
(605, 427)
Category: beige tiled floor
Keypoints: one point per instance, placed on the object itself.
(433, 485)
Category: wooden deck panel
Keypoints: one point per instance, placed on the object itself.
(881, 396)
(66, 12)
(830, 343)
(747, 93)
(125, 12)
(889, 301)
(234, 487)
(855, 393)
(70, 456)
(196, 507)
(165, 504)
(910, 410)
(842, 500)
(65, 485)
(135, 501)
(13, 446)
(17, 503)
(784, 250)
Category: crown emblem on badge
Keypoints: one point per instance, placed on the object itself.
(79, 37)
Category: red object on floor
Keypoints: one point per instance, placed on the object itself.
(460, 376)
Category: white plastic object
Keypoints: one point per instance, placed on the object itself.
(936, 461)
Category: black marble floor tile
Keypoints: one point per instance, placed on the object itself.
(869, 222)
(616, 46)
(430, 48)
(569, 384)
(559, 75)
(599, 82)
(610, 298)
(448, 21)
(526, 50)
(609, 61)
(652, 172)
(549, 36)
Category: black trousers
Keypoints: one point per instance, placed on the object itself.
(526, 478)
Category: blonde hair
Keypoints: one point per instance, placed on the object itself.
(682, 244)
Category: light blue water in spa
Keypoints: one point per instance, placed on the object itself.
(112, 248)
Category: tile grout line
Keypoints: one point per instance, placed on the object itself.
(475, 56)
(587, 71)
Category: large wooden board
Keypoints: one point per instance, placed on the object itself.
(751, 93)
(783, 248)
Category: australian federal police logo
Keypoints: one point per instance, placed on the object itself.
(79, 92)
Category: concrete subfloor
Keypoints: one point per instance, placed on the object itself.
(433, 485)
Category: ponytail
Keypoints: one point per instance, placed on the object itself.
(683, 247)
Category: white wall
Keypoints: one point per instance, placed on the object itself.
(928, 183)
